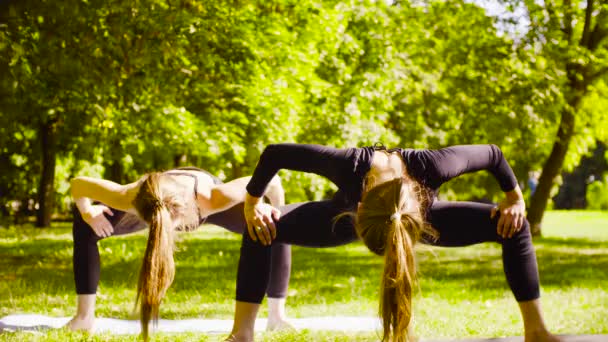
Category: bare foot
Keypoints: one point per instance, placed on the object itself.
(543, 336)
(82, 324)
(234, 338)
(279, 325)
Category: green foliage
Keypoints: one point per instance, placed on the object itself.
(597, 194)
(130, 87)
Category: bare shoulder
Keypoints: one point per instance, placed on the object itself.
(204, 181)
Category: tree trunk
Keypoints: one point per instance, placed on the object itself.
(180, 160)
(551, 170)
(46, 188)
(114, 169)
(553, 165)
(237, 170)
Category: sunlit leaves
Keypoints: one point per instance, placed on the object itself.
(152, 84)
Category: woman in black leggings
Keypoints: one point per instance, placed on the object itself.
(190, 197)
(388, 199)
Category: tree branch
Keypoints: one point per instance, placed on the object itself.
(599, 32)
(586, 29)
(568, 20)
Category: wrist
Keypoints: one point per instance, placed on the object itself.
(251, 201)
(84, 207)
(515, 195)
(86, 215)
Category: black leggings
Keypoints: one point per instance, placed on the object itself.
(458, 223)
(87, 262)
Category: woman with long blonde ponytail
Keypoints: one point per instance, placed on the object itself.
(158, 267)
(389, 223)
(387, 198)
(179, 199)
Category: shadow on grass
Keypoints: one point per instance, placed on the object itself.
(562, 263)
(36, 264)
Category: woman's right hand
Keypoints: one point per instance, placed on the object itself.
(260, 219)
(95, 218)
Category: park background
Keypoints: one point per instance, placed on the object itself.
(114, 89)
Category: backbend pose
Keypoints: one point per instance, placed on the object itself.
(179, 199)
(391, 195)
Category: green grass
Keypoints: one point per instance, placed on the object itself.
(463, 292)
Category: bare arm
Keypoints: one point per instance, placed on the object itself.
(224, 196)
(87, 189)
(275, 192)
(227, 195)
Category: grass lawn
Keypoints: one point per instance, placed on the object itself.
(463, 292)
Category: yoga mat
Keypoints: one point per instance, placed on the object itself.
(120, 326)
(38, 323)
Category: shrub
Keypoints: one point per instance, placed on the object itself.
(597, 195)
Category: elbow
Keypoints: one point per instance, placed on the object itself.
(276, 182)
(269, 151)
(221, 200)
(497, 155)
(275, 186)
(495, 149)
(275, 192)
(269, 157)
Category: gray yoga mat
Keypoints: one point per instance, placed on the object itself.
(39, 323)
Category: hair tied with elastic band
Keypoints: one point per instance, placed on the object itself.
(157, 204)
(396, 216)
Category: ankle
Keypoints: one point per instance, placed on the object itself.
(85, 316)
(279, 325)
(81, 324)
(240, 336)
(541, 336)
(276, 309)
(85, 309)
(276, 317)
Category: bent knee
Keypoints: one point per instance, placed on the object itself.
(525, 229)
(523, 235)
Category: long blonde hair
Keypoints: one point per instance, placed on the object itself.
(160, 201)
(390, 226)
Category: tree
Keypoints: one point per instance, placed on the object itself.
(91, 73)
(572, 38)
(41, 78)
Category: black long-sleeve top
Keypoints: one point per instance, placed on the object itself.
(347, 167)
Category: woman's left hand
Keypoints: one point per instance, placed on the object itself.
(512, 216)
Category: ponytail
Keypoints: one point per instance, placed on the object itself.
(159, 205)
(157, 269)
(398, 280)
(389, 221)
